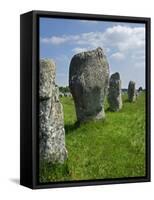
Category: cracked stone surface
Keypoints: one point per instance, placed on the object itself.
(51, 130)
(88, 82)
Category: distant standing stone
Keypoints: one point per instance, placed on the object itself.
(61, 94)
(140, 89)
(51, 130)
(114, 94)
(131, 91)
(88, 82)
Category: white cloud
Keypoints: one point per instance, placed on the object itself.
(121, 37)
(91, 38)
(125, 38)
(54, 40)
(118, 56)
(57, 40)
(78, 50)
(127, 42)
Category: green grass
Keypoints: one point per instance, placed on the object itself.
(112, 148)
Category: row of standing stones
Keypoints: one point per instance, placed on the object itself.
(89, 84)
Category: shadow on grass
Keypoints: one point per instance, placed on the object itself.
(126, 101)
(108, 109)
(71, 127)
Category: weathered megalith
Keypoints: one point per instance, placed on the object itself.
(131, 91)
(51, 130)
(114, 92)
(88, 82)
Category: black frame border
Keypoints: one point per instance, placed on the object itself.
(35, 98)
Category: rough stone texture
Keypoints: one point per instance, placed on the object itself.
(114, 93)
(51, 133)
(88, 82)
(131, 91)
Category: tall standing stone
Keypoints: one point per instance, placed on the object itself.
(131, 91)
(114, 93)
(88, 82)
(51, 130)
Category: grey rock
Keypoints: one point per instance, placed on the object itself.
(51, 130)
(114, 93)
(88, 82)
(140, 89)
(47, 78)
(131, 91)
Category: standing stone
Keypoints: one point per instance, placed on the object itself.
(131, 92)
(88, 82)
(140, 89)
(114, 94)
(51, 132)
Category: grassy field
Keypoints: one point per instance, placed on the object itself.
(111, 148)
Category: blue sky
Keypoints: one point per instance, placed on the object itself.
(123, 43)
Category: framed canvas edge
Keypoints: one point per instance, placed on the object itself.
(35, 63)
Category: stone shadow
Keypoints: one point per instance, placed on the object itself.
(71, 127)
(126, 101)
(107, 110)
